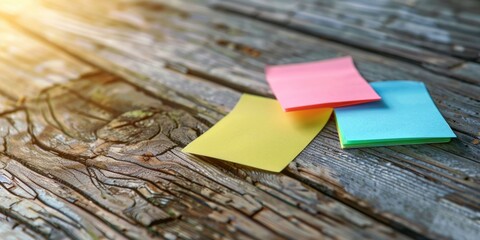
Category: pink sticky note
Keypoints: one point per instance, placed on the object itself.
(330, 83)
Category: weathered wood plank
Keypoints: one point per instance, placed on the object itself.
(437, 27)
(428, 36)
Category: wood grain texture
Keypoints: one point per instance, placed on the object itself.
(437, 35)
(19, 54)
(99, 155)
(11, 229)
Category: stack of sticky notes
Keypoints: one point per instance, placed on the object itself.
(268, 134)
(323, 84)
(405, 115)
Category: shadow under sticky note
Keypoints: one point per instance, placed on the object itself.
(258, 133)
(405, 115)
(329, 83)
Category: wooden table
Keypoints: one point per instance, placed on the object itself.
(97, 99)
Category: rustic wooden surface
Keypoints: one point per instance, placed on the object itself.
(97, 98)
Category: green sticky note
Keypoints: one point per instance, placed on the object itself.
(258, 133)
(405, 115)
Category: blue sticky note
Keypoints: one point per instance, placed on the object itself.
(405, 115)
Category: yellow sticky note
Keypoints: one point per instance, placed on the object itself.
(258, 133)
